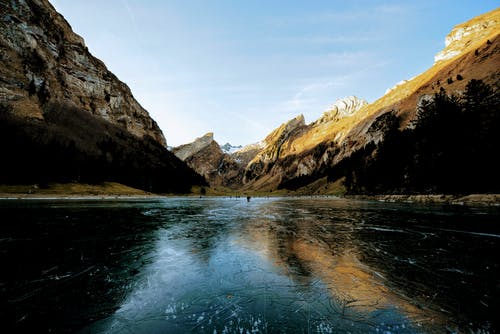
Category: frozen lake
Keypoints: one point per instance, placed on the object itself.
(221, 265)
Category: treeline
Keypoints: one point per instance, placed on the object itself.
(452, 146)
(72, 145)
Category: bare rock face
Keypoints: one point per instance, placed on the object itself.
(206, 157)
(342, 108)
(187, 150)
(397, 85)
(244, 155)
(275, 139)
(271, 152)
(44, 62)
(284, 154)
(465, 34)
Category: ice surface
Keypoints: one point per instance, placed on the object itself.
(216, 265)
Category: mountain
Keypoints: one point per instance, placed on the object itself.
(228, 148)
(247, 153)
(260, 171)
(44, 61)
(334, 147)
(436, 132)
(207, 158)
(272, 165)
(70, 117)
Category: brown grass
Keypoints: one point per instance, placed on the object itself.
(70, 189)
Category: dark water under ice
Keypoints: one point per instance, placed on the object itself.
(219, 265)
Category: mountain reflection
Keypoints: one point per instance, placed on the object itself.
(311, 248)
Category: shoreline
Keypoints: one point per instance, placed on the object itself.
(469, 200)
(105, 190)
(9, 196)
(492, 200)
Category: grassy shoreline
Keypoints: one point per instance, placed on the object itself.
(63, 190)
(116, 190)
(470, 199)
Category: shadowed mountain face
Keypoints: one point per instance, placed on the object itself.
(206, 157)
(69, 117)
(44, 61)
(348, 141)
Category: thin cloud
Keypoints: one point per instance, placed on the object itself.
(345, 58)
(131, 15)
(308, 96)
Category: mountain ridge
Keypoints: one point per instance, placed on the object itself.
(45, 62)
(207, 158)
(298, 153)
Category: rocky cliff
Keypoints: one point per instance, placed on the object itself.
(342, 108)
(70, 118)
(244, 155)
(465, 35)
(276, 161)
(44, 62)
(206, 157)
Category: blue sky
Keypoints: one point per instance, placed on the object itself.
(241, 68)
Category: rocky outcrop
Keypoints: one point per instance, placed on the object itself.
(465, 34)
(274, 141)
(244, 155)
(342, 108)
(264, 160)
(206, 157)
(284, 155)
(187, 150)
(397, 85)
(44, 62)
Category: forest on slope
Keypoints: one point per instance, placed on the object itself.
(72, 145)
(450, 147)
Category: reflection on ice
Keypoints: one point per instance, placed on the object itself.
(357, 292)
(213, 265)
(266, 267)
